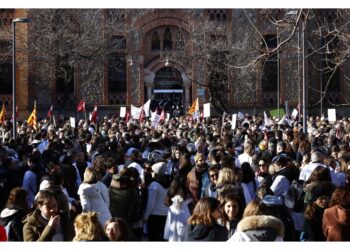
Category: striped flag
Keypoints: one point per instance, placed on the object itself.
(32, 118)
(194, 107)
(3, 114)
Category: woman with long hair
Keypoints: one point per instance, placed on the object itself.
(11, 216)
(202, 224)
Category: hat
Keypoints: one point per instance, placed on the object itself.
(130, 151)
(159, 168)
(197, 156)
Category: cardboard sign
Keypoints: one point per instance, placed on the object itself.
(332, 115)
(206, 110)
(122, 112)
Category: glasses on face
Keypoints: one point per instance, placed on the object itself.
(262, 164)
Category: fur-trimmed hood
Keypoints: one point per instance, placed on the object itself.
(259, 228)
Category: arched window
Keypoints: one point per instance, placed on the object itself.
(168, 41)
(155, 41)
(179, 42)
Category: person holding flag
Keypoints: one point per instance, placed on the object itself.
(194, 109)
(32, 118)
(3, 114)
(81, 107)
(94, 115)
(49, 114)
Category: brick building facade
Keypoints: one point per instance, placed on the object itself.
(149, 60)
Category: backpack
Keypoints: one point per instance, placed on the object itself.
(294, 199)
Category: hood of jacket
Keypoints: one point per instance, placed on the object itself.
(342, 215)
(261, 227)
(90, 190)
(7, 214)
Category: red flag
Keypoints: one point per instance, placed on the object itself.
(81, 106)
(162, 116)
(127, 116)
(49, 114)
(142, 115)
(94, 115)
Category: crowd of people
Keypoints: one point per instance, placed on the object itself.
(183, 180)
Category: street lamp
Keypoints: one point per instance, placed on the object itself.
(14, 21)
(304, 85)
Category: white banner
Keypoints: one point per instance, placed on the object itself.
(72, 122)
(234, 121)
(155, 118)
(135, 112)
(206, 110)
(122, 112)
(294, 113)
(331, 115)
(146, 107)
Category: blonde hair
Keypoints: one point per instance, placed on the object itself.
(226, 176)
(88, 228)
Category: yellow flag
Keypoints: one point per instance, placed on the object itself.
(194, 107)
(2, 114)
(32, 118)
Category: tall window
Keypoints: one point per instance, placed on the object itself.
(117, 78)
(155, 41)
(269, 76)
(270, 66)
(5, 78)
(65, 79)
(168, 41)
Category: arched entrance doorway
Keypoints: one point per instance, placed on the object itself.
(168, 89)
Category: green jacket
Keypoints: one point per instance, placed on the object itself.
(34, 230)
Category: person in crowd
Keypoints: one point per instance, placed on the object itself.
(118, 230)
(87, 227)
(262, 174)
(156, 210)
(312, 229)
(197, 178)
(32, 177)
(232, 213)
(12, 215)
(202, 225)
(94, 195)
(213, 173)
(335, 222)
(44, 223)
(318, 184)
(258, 224)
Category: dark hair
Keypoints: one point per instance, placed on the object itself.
(177, 187)
(320, 173)
(18, 199)
(340, 197)
(125, 232)
(42, 196)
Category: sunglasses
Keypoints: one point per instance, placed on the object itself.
(260, 165)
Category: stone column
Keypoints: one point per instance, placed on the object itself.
(187, 87)
(149, 87)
